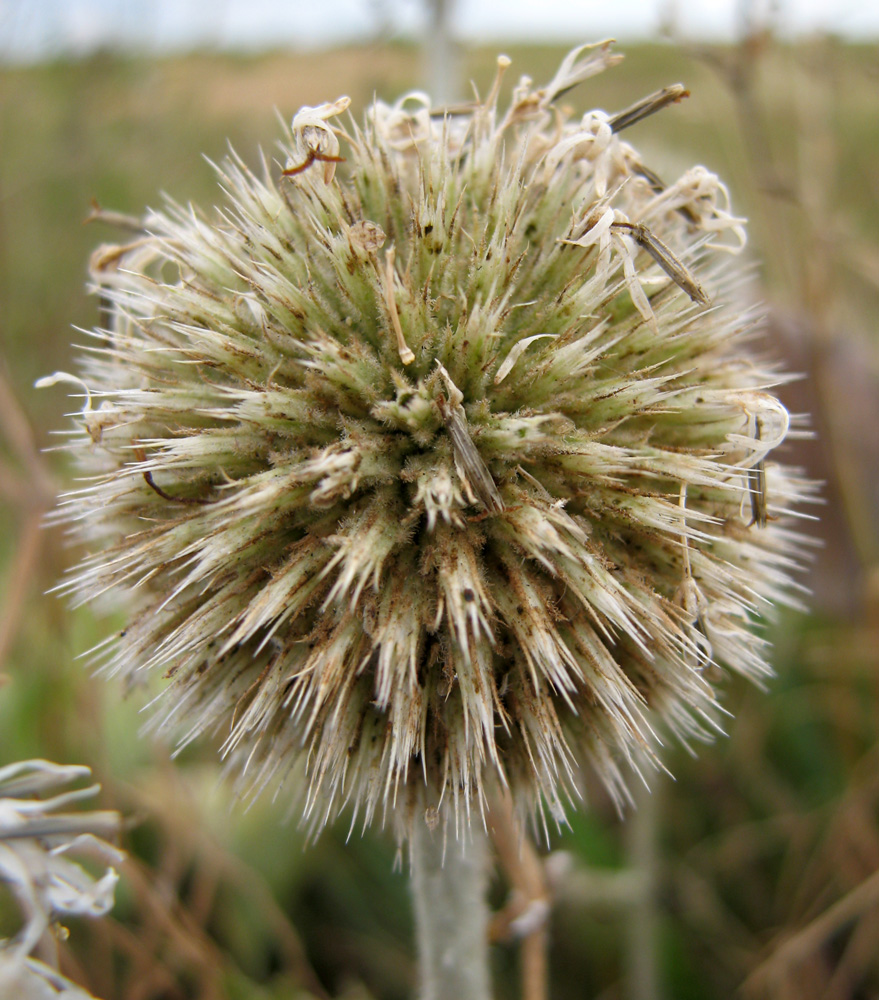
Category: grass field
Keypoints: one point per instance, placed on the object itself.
(767, 878)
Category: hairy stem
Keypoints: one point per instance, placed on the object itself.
(449, 879)
(642, 968)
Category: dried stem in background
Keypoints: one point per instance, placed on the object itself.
(526, 914)
(31, 492)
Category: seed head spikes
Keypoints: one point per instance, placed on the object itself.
(437, 459)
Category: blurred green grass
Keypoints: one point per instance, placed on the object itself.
(759, 836)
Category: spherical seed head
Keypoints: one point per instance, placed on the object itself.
(436, 459)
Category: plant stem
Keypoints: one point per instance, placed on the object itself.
(449, 879)
(642, 968)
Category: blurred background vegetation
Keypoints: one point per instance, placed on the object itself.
(756, 870)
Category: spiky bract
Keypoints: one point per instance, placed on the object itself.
(435, 467)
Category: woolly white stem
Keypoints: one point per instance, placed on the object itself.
(449, 879)
(642, 969)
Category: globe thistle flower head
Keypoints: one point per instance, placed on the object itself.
(437, 457)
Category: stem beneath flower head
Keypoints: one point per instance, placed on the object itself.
(449, 878)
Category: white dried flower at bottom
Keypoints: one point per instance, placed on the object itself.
(36, 845)
(431, 462)
(30, 979)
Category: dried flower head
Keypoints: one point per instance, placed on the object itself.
(437, 457)
(36, 841)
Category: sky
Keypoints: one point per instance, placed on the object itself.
(33, 29)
